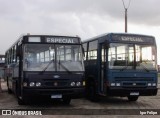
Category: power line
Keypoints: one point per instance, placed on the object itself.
(125, 5)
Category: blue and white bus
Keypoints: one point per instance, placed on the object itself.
(45, 65)
(120, 64)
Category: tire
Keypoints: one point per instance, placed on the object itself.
(92, 96)
(132, 98)
(23, 100)
(66, 101)
(9, 91)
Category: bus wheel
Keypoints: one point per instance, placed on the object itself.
(132, 98)
(66, 100)
(9, 90)
(22, 101)
(92, 94)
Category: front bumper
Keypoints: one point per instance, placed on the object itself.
(67, 92)
(126, 92)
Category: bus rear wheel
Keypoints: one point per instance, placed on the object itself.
(132, 98)
(9, 90)
(92, 96)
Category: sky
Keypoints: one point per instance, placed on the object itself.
(85, 18)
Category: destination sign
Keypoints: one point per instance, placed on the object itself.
(135, 39)
(61, 40)
(132, 38)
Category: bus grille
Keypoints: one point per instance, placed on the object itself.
(134, 84)
(56, 83)
(131, 82)
(121, 79)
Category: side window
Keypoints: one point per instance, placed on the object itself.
(14, 54)
(7, 57)
(10, 56)
(85, 50)
(92, 53)
(2, 59)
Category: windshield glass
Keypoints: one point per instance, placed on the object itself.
(145, 56)
(130, 56)
(69, 58)
(51, 57)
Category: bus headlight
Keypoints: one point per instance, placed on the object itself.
(118, 84)
(31, 84)
(149, 84)
(78, 84)
(25, 84)
(73, 83)
(154, 84)
(38, 84)
(84, 83)
(113, 84)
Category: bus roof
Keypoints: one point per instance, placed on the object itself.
(110, 34)
(28, 35)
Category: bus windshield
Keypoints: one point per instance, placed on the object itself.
(52, 57)
(131, 56)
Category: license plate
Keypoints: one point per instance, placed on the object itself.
(134, 93)
(56, 96)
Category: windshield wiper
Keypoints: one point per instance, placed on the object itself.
(124, 68)
(64, 67)
(144, 67)
(59, 64)
(47, 66)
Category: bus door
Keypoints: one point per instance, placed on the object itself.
(102, 69)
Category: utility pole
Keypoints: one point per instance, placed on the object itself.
(126, 10)
(126, 20)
